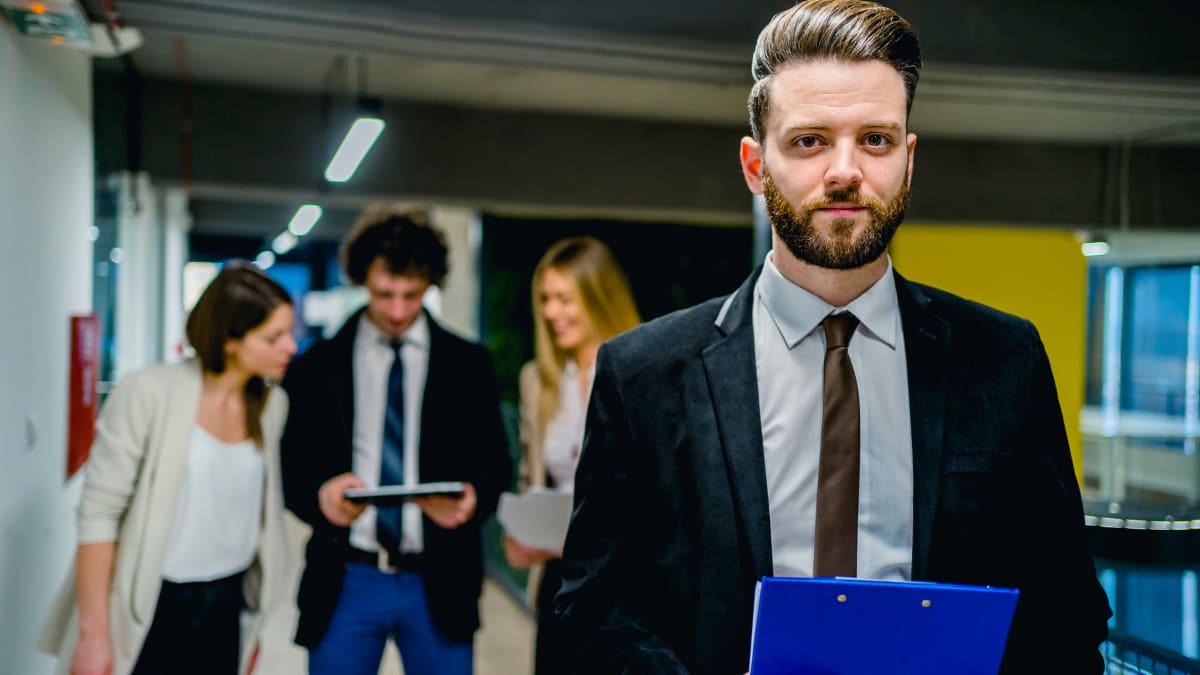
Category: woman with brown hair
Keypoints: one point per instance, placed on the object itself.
(181, 514)
(580, 299)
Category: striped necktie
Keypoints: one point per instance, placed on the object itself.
(388, 524)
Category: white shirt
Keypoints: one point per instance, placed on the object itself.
(789, 346)
(373, 358)
(219, 514)
(564, 432)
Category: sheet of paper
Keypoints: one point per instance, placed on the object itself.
(538, 518)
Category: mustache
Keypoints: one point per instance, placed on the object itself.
(844, 196)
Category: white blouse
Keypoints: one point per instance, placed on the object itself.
(216, 528)
(564, 433)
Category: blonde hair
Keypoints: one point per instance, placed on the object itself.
(604, 295)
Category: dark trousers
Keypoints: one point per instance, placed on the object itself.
(196, 629)
(550, 657)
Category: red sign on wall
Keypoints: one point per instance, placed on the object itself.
(81, 404)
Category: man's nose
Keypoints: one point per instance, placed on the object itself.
(844, 170)
(401, 309)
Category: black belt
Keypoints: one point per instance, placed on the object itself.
(384, 562)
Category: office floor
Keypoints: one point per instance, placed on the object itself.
(504, 646)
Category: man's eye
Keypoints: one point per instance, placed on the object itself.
(877, 140)
(808, 141)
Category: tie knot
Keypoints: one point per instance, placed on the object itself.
(395, 346)
(839, 328)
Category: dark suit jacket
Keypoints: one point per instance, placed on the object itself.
(462, 438)
(671, 528)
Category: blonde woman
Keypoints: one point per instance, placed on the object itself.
(580, 299)
(181, 515)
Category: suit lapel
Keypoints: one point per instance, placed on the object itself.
(733, 385)
(430, 400)
(342, 372)
(926, 341)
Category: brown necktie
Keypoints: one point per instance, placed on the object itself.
(836, 540)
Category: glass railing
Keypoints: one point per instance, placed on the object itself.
(1142, 462)
(1141, 485)
(1128, 655)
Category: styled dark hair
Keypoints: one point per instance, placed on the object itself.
(404, 238)
(236, 302)
(847, 30)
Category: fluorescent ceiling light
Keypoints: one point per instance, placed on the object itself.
(1095, 248)
(285, 242)
(306, 216)
(354, 147)
(264, 260)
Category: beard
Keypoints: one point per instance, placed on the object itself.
(840, 250)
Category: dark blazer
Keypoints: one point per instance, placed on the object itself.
(671, 528)
(462, 438)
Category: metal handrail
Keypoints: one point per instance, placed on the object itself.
(1125, 654)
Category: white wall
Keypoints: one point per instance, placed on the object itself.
(45, 276)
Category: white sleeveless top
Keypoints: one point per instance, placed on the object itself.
(216, 528)
(564, 433)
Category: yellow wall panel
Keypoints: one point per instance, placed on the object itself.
(1039, 275)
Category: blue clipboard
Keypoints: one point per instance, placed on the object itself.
(847, 626)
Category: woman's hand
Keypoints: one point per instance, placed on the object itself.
(332, 497)
(92, 655)
(521, 556)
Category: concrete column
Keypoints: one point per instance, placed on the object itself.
(458, 301)
(762, 230)
(137, 261)
(177, 222)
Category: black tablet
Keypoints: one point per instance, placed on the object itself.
(396, 494)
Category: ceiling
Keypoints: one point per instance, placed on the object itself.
(1074, 71)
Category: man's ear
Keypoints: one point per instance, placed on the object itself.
(911, 141)
(752, 164)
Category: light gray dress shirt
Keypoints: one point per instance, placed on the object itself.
(789, 347)
(372, 363)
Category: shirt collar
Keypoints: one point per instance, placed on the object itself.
(417, 334)
(797, 312)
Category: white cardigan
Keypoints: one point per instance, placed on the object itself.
(130, 495)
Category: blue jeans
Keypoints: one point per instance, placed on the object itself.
(374, 606)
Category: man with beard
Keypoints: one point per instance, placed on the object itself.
(829, 418)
